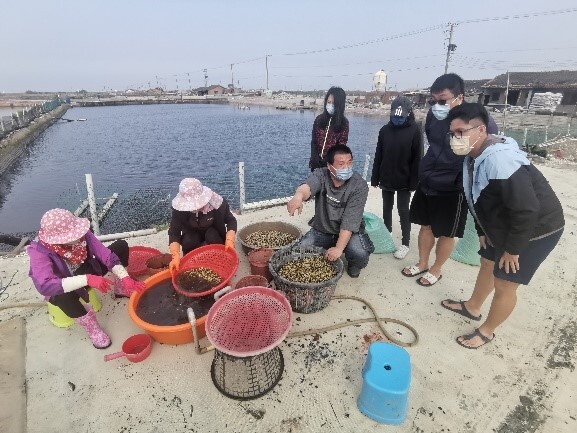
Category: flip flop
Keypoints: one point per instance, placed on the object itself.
(463, 311)
(430, 278)
(413, 271)
(474, 334)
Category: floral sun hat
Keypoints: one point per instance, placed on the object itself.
(60, 226)
(191, 195)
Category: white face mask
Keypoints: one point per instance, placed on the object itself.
(331, 109)
(460, 146)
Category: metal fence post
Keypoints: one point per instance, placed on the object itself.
(242, 197)
(366, 167)
(546, 132)
(92, 204)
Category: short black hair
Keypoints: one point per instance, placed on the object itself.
(468, 111)
(451, 82)
(338, 149)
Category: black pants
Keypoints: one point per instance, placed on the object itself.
(69, 302)
(197, 238)
(403, 199)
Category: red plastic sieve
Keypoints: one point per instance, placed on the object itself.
(215, 257)
(137, 257)
(135, 348)
(248, 321)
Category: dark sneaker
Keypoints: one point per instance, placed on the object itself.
(353, 272)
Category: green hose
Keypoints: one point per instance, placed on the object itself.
(23, 305)
(375, 318)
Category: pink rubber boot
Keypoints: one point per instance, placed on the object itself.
(119, 290)
(98, 337)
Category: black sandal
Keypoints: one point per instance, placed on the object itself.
(474, 334)
(463, 311)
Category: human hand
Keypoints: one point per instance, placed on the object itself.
(483, 242)
(510, 262)
(333, 254)
(132, 286)
(174, 264)
(295, 204)
(99, 283)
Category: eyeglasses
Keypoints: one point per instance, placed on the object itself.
(459, 134)
(432, 101)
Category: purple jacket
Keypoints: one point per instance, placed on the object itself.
(47, 269)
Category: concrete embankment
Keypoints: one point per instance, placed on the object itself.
(12, 147)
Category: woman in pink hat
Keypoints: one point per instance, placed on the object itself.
(66, 259)
(199, 217)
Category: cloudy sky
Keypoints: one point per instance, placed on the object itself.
(61, 45)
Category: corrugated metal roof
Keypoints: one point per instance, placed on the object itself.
(541, 80)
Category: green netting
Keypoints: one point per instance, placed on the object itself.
(467, 248)
(380, 236)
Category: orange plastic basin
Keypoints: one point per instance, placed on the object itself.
(178, 334)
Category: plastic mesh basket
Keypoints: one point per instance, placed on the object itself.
(137, 257)
(213, 257)
(304, 298)
(248, 321)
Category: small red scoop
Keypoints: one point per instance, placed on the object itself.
(135, 348)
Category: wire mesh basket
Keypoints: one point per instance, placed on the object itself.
(249, 377)
(304, 297)
(246, 326)
(214, 257)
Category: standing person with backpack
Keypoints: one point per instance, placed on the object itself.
(330, 128)
(396, 166)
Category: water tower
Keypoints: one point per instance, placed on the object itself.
(380, 81)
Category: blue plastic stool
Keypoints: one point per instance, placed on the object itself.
(386, 381)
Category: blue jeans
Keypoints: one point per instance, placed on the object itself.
(356, 252)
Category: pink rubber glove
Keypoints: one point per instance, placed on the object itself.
(132, 286)
(99, 283)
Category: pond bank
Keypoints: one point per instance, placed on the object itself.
(13, 146)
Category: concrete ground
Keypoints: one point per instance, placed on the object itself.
(523, 381)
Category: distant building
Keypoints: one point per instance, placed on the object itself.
(215, 89)
(523, 85)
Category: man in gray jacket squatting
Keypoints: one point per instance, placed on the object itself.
(340, 197)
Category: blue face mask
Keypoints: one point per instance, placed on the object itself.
(343, 173)
(398, 120)
(441, 111)
(331, 109)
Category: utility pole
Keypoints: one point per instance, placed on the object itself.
(205, 77)
(450, 47)
(505, 109)
(232, 76)
(266, 65)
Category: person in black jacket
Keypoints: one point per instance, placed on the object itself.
(518, 217)
(396, 166)
(199, 217)
(330, 128)
(438, 204)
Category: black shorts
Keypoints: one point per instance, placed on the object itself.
(530, 258)
(446, 214)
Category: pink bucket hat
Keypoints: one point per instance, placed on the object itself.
(191, 195)
(60, 226)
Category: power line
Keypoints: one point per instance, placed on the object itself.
(518, 16)
(360, 44)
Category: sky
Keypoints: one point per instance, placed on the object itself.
(65, 45)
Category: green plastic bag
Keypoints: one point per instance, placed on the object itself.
(378, 233)
(467, 248)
